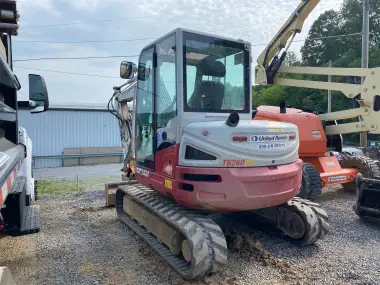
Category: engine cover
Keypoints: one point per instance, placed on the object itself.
(249, 144)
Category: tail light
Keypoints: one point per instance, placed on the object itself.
(292, 136)
(2, 226)
(240, 139)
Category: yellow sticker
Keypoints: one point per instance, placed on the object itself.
(275, 129)
(249, 163)
(169, 184)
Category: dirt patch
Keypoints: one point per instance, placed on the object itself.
(83, 213)
(94, 209)
(248, 247)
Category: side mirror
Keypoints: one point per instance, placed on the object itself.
(38, 94)
(127, 70)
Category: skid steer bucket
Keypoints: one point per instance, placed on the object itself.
(368, 197)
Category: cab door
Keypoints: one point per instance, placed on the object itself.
(145, 116)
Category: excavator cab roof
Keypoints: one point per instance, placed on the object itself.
(207, 73)
(180, 31)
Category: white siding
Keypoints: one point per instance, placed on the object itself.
(54, 130)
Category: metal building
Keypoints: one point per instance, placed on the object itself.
(65, 129)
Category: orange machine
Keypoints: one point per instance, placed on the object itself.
(321, 166)
(321, 135)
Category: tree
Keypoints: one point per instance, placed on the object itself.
(336, 33)
(318, 49)
(291, 59)
(272, 96)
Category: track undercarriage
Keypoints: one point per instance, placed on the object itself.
(191, 242)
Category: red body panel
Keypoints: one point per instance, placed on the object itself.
(233, 189)
(313, 141)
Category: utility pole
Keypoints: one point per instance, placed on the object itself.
(365, 55)
(329, 92)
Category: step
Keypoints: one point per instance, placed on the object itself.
(31, 220)
(18, 185)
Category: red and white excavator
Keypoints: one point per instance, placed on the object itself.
(194, 150)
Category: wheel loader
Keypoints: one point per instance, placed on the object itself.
(321, 142)
(193, 151)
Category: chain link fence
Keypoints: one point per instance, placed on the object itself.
(66, 180)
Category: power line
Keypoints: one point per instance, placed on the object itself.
(315, 39)
(74, 58)
(118, 19)
(124, 56)
(329, 37)
(143, 39)
(64, 72)
(138, 17)
(137, 39)
(89, 41)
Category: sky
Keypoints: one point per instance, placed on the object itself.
(126, 27)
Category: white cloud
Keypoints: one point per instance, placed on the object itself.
(255, 21)
(33, 8)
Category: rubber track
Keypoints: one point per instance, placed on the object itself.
(207, 241)
(317, 226)
(367, 166)
(312, 182)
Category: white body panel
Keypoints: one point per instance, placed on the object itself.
(26, 168)
(216, 138)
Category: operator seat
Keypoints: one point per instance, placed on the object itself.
(209, 94)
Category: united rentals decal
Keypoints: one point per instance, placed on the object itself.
(269, 138)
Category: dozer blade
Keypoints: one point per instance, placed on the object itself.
(192, 244)
(110, 190)
(367, 197)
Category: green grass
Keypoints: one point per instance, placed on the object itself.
(71, 185)
(56, 187)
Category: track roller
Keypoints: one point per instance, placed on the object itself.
(303, 221)
(192, 244)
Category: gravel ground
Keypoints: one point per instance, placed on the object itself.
(82, 242)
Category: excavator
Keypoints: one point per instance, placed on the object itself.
(321, 143)
(192, 153)
(193, 145)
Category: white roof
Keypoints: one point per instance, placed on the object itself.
(78, 106)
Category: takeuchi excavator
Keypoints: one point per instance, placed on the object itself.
(193, 151)
(321, 142)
